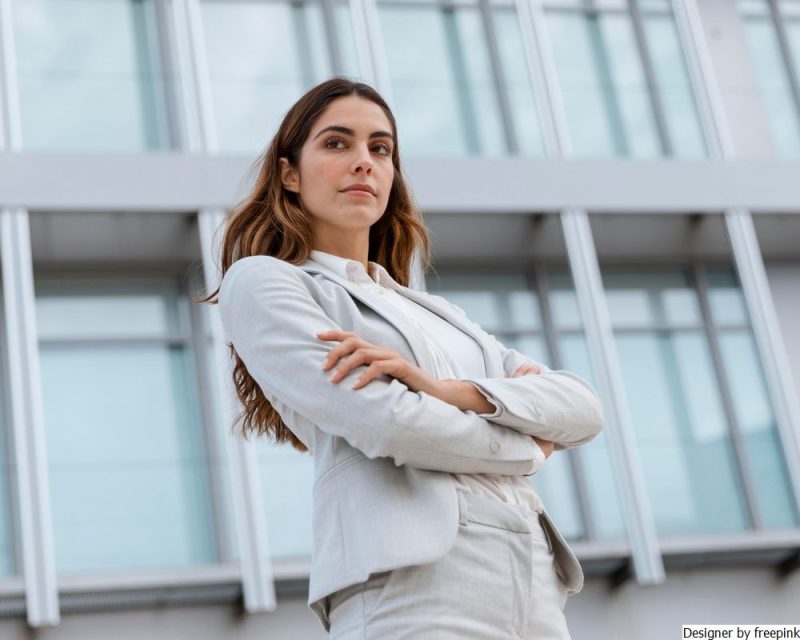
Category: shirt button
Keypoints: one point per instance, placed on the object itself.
(495, 446)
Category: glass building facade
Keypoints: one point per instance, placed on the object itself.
(578, 164)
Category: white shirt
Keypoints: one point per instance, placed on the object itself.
(456, 355)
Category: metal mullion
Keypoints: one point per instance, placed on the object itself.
(629, 475)
(245, 482)
(498, 77)
(737, 438)
(35, 526)
(334, 51)
(181, 341)
(650, 77)
(10, 126)
(573, 454)
(555, 128)
(302, 42)
(703, 81)
(369, 46)
(152, 49)
(195, 76)
(219, 489)
(771, 348)
(786, 53)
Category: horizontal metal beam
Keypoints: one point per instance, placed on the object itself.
(190, 182)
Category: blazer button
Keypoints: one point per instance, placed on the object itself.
(495, 446)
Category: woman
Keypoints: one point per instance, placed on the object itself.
(423, 524)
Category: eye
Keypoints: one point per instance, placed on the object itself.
(387, 150)
(328, 142)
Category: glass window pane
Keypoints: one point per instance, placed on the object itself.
(127, 462)
(7, 550)
(521, 97)
(674, 87)
(101, 310)
(563, 301)
(255, 79)
(635, 300)
(725, 298)
(88, 75)
(603, 495)
(682, 438)
(772, 75)
(497, 302)
(441, 80)
(763, 451)
(288, 477)
(602, 83)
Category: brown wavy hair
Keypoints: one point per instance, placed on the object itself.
(271, 221)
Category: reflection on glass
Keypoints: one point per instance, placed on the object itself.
(689, 466)
(287, 477)
(126, 456)
(608, 106)
(602, 493)
(255, 79)
(772, 73)
(89, 75)
(441, 80)
(760, 432)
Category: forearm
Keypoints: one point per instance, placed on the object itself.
(463, 395)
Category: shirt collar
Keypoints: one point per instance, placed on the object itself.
(353, 270)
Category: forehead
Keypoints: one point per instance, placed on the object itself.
(354, 112)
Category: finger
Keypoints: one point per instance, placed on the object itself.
(348, 345)
(375, 369)
(355, 359)
(334, 334)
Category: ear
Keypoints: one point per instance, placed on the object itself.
(290, 177)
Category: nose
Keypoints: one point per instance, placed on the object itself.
(363, 161)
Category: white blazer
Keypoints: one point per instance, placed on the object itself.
(383, 495)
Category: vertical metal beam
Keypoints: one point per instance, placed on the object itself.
(248, 502)
(35, 528)
(747, 256)
(629, 477)
(243, 479)
(702, 78)
(369, 46)
(766, 330)
(544, 76)
(498, 76)
(650, 77)
(334, 50)
(10, 126)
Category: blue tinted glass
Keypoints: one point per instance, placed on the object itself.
(763, 453)
(521, 97)
(659, 297)
(262, 56)
(674, 87)
(602, 84)
(682, 436)
(441, 81)
(603, 495)
(88, 76)
(287, 477)
(497, 302)
(726, 299)
(773, 78)
(126, 459)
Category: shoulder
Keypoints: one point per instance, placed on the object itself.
(254, 273)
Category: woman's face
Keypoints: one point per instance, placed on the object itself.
(350, 144)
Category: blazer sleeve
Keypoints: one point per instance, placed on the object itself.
(554, 405)
(272, 319)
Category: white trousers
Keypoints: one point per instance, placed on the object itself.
(498, 582)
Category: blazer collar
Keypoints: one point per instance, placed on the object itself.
(494, 365)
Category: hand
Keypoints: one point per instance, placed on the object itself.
(546, 445)
(380, 360)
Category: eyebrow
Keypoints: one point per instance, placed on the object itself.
(350, 132)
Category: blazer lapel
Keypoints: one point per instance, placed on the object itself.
(494, 366)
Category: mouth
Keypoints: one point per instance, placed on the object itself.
(360, 189)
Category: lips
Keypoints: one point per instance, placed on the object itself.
(364, 188)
